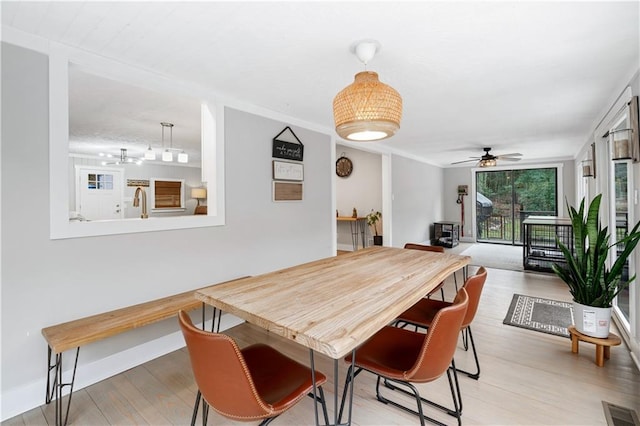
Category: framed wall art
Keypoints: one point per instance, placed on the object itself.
(285, 170)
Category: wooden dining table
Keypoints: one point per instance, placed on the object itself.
(335, 304)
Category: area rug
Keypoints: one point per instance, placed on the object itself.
(538, 314)
(495, 256)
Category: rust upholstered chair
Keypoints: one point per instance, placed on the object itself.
(435, 249)
(400, 357)
(422, 314)
(250, 384)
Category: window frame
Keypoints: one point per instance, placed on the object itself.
(212, 122)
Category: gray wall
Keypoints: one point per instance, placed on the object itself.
(416, 199)
(45, 282)
(462, 176)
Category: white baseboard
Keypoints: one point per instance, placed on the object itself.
(25, 398)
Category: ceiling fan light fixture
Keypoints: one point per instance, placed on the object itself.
(491, 162)
(367, 109)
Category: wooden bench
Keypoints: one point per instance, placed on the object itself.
(603, 345)
(80, 332)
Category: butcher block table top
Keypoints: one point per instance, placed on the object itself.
(335, 304)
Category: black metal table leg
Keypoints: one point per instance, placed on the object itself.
(338, 409)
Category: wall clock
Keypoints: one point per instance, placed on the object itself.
(344, 167)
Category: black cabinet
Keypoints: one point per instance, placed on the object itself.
(446, 234)
(541, 249)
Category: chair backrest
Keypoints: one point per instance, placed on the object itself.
(414, 246)
(474, 285)
(221, 373)
(440, 342)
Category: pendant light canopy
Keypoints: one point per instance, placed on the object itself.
(367, 110)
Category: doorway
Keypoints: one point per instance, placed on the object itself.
(505, 198)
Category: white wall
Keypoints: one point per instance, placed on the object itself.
(362, 190)
(416, 192)
(463, 176)
(45, 282)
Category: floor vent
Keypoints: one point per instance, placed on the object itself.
(619, 416)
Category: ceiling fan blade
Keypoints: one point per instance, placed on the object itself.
(466, 161)
(514, 154)
(509, 158)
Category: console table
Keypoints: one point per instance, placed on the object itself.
(357, 226)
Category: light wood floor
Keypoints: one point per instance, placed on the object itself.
(528, 378)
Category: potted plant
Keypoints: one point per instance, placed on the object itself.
(372, 220)
(591, 283)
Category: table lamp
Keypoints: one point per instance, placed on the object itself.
(198, 194)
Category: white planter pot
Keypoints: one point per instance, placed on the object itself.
(592, 321)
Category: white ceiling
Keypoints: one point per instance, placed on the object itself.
(528, 77)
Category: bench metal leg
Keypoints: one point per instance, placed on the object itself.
(56, 387)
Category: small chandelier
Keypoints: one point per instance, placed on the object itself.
(122, 160)
(367, 110)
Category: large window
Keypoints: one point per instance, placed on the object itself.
(504, 198)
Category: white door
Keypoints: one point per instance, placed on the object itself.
(99, 193)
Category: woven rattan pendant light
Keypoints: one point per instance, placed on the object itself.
(367, 110)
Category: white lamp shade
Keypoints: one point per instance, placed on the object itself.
(167, 156)
(183, 157)
(198, 192)
(149, 154)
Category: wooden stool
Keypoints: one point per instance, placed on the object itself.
(603, 346)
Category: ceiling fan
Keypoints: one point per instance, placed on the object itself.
(489, 160)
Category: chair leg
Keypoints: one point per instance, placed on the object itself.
(324, 406)
(465, 339)
(267, 421)
(347, 382)
(457, 402)
(419, 400)
(205, 412)
(454, 370)
(195, 408)
(323, 403)
(475, 375)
